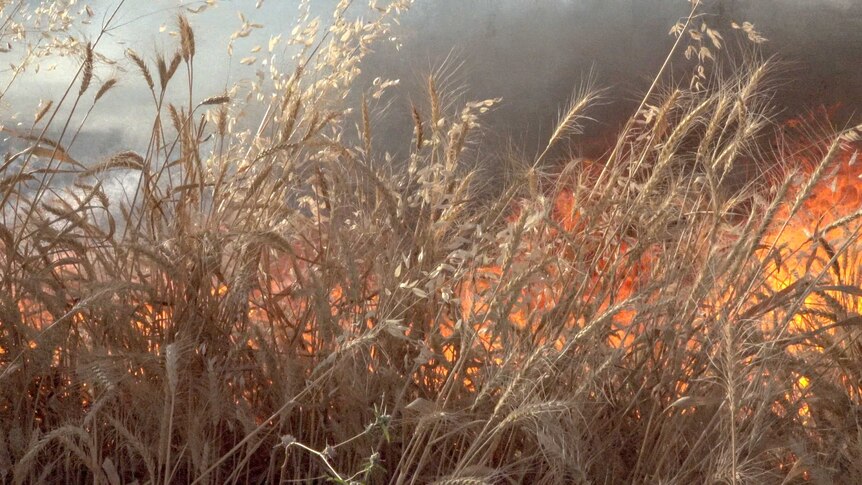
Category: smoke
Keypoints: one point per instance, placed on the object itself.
(532, 53)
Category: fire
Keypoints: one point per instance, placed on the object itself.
(837, 195)
(474, 321)
(820, 239)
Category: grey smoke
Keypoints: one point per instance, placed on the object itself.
(532, 53)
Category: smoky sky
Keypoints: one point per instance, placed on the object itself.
(531, 53)
(534, 53)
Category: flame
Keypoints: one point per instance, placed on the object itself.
(808, 243)
(811, 240)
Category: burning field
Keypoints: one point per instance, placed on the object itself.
(273, 298)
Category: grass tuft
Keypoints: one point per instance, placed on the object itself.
(271, 299)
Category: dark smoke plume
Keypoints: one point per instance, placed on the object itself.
(534, 53)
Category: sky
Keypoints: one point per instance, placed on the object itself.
(532, 53)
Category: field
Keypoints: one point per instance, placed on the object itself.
(274, 299)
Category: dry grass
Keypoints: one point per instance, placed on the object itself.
(282, 304)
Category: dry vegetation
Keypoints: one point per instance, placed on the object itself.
(286, 304)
